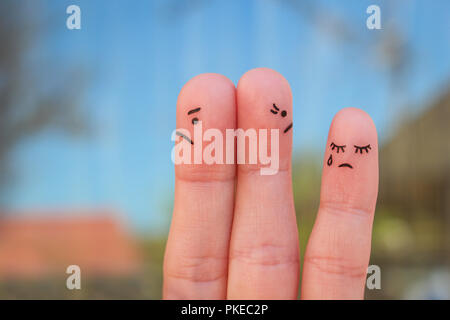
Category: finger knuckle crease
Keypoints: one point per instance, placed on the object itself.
(266, 255)
(337, 266)
(341, 208)
(198, 269)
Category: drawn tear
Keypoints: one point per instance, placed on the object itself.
(330, 160)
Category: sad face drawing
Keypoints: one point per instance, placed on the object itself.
(340, 149)
(194, 121)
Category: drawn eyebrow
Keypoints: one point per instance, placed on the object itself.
(276, 109)
(334, 146)
(366, 148)
(194, 111)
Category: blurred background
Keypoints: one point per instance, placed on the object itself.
(86, 118)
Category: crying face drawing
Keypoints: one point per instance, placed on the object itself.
(339, 150)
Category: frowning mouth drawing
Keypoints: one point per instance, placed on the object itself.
(288, 128)
(184, 137)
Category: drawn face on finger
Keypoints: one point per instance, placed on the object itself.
(283, 113)
(350, 163)
(193, 115)
(342, 161)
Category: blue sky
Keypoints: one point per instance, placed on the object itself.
(139, 54)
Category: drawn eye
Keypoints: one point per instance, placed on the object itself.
(335, 146)
(275, 109)
(194, 121)
(360, 149)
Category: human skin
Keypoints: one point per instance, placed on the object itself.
(234, 231)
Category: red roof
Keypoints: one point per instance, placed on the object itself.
(47, 246)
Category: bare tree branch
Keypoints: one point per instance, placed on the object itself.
(27, 104)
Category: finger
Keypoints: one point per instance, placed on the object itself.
(264, 253)
(337, 255)
(196, 258)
